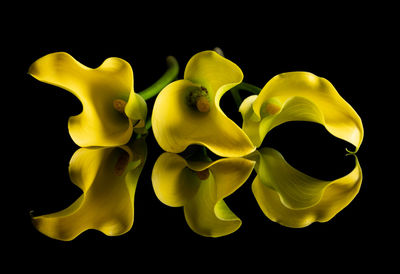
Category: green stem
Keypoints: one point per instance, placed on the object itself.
(249, 87)
(148, 124)
(236, 96)
(243, 86)
(169, 76)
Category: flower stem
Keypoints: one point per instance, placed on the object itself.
(148, 124)
(169, 76)
(243, 86)
(249, 87)
(236, 96)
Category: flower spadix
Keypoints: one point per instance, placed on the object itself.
(107, 177)
(294, 199)
(111, 108)
(300, 96)
(200, 187)
(187, 111)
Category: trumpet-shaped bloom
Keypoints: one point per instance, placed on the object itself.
(300, 96)
(108, 179)
(294, 199)
(187, 111)
(200, 188)
(106, 94)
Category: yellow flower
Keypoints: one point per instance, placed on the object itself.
(187, 111)
(106, 94)
(200, 187)
(300, 96)
(294, 199)
(108, 178)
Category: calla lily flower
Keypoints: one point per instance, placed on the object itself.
(300, 96)
(187, 111)
(111, 108)
(200, 187)
(294, 199)
(108, 177)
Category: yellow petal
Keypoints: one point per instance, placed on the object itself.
(173, 183)
(108, 178)
(294, 109)
(295, 189)
(176, 125)
(207, 213)
(176, 183)
(99, 124)
(303, 97)
(208, 217)
(230, 174)
(214, 72)
(334, 197)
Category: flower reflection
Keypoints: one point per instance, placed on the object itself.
(294, 199)
(200, 187)
(108, 177)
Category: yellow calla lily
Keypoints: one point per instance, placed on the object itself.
(200, 188)
(108, 179)
(187, 111)
(106, 94)
(294, 199)
(300, 96)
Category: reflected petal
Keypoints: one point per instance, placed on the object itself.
(295, 199)
(207, 213)
(176, 183)
(108, 179)
(173, 183)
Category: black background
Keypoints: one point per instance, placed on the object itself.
(338, 44)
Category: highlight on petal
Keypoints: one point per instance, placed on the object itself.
(100, 123)
(176, 125)
(178, 182)
(108, 179)
(300, 96)
(294, 199)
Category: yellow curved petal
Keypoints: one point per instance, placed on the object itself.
(295, 189)
(108, 187)
(214, 72)
(321, 103)
(176, 125)
(176, 183)
(173, 183)
(207, 213)
(336, 196)
(230, 174)
(208, 216)
(294, 109)
(99, 124)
